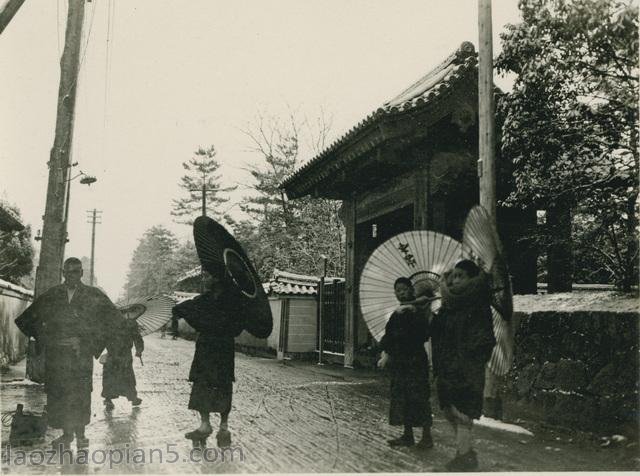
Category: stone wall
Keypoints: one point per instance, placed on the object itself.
(577, 369)
(13, 344)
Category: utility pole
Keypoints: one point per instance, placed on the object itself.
(94, 216)
(8, 10)
(486, 111)
(54, 233)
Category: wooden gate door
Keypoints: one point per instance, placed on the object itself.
(333, 316)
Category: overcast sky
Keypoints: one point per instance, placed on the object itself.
(187, 73)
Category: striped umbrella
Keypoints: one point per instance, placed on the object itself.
(150, 313)
(222, 256)
(421, 256)
(481, 237)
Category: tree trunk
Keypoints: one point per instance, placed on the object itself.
(560, 251)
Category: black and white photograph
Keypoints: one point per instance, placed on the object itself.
(319, 236)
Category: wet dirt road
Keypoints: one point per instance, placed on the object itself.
(286, 418)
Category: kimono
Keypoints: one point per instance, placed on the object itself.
(212, 369)
(118, 378)
(462, 338)
(404, 338)
(72, 333)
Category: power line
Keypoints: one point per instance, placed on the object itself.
(107, 69)
(86, 45)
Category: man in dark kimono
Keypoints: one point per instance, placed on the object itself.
(213, 316)
(72, 322)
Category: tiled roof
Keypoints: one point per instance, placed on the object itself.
(427, 90)
(179, 296)
(6, 286)
(284, 283)
(192, 273)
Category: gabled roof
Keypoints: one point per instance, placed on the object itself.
(432, 88)
(285, 283)
(192, 273)
(7, 288)
(282, 283)
(179, 296)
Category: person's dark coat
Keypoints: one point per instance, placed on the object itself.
(72, 334)
(118, 378)
(462, 338)
(404, 338)
(217, 324)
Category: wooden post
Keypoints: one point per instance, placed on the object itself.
(350, 280)
(54, 232)
(54, 237)
(321, 312)
(486, 111)
(320, 321)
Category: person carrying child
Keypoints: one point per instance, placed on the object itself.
(404, 353)
(462, 339)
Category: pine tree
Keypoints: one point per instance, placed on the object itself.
(203, 187)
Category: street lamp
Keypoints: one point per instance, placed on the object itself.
(88, 180)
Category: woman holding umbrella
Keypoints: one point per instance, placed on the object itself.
(213, 315)
(233, 300)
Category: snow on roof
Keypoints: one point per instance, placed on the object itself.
(192, 273)
(7, 286)
(435, 86)
(179, 296)
(286, 283)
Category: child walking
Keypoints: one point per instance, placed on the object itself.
(403, 352)
(462, 338)
(118, 377)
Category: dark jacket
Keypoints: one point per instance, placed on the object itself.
(217, 325)
(71, 333)
(90, 316)
(462, 339)
(404, 338)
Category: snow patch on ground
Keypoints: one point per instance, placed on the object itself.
(608, 301)
(500, 425)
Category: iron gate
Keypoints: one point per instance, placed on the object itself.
(333, 317)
